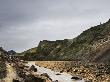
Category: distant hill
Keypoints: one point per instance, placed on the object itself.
(11, 52)
(92, 45)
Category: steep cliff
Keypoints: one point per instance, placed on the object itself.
(91, 45)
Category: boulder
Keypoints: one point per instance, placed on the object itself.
(32, 68)
(61, 71)
(46, 75)
(76, 78)
(58, 74)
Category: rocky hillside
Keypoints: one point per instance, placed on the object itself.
(91, 45)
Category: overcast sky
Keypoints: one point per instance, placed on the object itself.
(23, 23)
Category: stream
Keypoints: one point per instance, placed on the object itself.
(64, 77)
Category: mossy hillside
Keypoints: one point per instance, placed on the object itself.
(88, 46)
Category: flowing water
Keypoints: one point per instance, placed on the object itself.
(64, 77)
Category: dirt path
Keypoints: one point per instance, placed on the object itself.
(11, 73)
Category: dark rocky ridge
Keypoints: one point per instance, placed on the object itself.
(91, 45)
(11, 52)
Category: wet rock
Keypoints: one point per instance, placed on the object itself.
(68, 70)
(50, 79)
(61, 71)
(55, 81)
(26, 66)
(32, 68)
(46, 75)
(76, 78)
(58, 74)
(75, 70)
(35, 70)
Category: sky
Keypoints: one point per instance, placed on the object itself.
(23, 23)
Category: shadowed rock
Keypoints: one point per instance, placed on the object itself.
(46, 75)
(58, 74)
(76, 78)
(14, 80)
(32, 68)
(32, 78)
(55, 81)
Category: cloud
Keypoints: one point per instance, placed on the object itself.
(23, 23)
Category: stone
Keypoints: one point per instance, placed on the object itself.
(61, 71)
(58, 74)
(76, 78)
(46, 75)
(32, 68)
(55, 81)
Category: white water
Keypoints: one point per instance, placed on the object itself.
(64, 77)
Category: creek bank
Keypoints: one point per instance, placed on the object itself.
(10, 73)
(61, 77)
(91, 72)
(29, 73)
